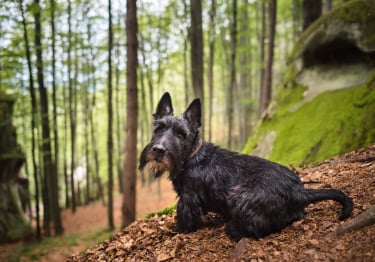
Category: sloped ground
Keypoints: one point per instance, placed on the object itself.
(305, 240)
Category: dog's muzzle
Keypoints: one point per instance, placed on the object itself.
(158, 161)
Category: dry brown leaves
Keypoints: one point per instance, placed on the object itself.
(154, 239)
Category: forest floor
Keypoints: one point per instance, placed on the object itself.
(305, 240)
(88, 226)
(154, 239)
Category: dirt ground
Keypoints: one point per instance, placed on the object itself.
(305, 240)
(91, 218)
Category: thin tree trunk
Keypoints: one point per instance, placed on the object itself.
(49, 167)
(232, 85)
(311, 10)
(262, 52)
(266, 90)
(327, 6)
(296, 17)
(211, 58)
(130, 163)
(185, 33)
(100, 194)
(33, 116)
(244, 86)
(71, 110)
(111, 224)
(87, 110)
(118, 122)
(196, 49)
(54, 91)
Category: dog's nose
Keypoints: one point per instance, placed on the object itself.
(159, 149)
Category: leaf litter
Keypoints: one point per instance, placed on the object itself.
(155, 239)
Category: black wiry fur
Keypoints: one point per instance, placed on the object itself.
(255, 197)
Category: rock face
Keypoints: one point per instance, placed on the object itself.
(13, 222)
(338, 51)
(325, 102)
(345, 35)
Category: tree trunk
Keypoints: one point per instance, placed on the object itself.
(267, 83)
(327, 6)
(71, 110)
(262, 51)
(130, 163)
(232, 85)
(48, 164)
(118, 122)
(196, 49)
(97, 179)
(111, 224)
(245, 79)
(311, 10)
(54, 104)
(211, 58)
(33, 123)
(296, 18)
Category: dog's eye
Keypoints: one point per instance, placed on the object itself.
(181, 133)
(159, 127)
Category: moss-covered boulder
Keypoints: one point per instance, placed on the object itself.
(326, 102)
(13, 188)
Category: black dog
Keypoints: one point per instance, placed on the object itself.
(254, 196)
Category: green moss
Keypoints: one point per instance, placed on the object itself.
(165, 211)
(333, 123)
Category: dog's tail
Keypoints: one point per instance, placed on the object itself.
(316, 195)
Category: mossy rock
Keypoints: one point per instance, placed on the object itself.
(326, 102)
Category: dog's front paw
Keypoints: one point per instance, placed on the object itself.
(185, 228)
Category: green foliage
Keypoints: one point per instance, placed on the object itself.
(165, 211)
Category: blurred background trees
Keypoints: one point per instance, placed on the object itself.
(78, 73)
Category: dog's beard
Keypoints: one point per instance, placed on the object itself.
(155, 168)
(154, 165)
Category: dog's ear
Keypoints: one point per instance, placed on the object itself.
(194, 113)
(164, 107)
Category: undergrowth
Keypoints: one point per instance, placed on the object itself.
(165, 211)
(34, 251)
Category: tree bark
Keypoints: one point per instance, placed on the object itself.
(48, 164)
(118, 122)
(111, 224)
(311, 10)
(97, 179)
(54, 91)
(232, 84)
(33, 123)
(71, 110)
(211, 58)
(266, 90)
(245, 80)
(196, 49)
(326, 6)
(130, 163)
(262, 51)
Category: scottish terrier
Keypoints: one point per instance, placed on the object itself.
(254, 196)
